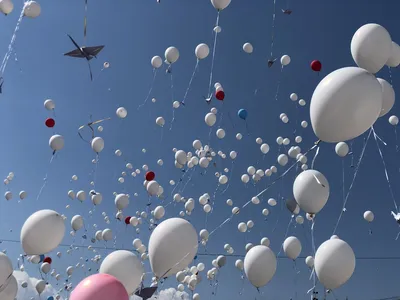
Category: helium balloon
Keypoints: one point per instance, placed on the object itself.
(42, 232)
(76, 222)
(107, 234)
(48, 104)
(160, 121)
(394, 59)
(6, 6)
(171, 55)
(242, 113)
(220, 133)
(10, 290)
(50, 122)
(40, 286)
(156, 62)
(220, 4)
(56, 142)
(220, 95)
(285, 60)
(22, 195)
(292, 247)
(202, 51)
(181, 157)
(388, 97)
(293, 97)
(99, 287)
(124, 266)
(310, 262)
(153, 188)
(97, 144)
(342, 149)
(345, 104)
(121, 112)
(121, 201)
(150, 175)
(210, 119)
(248, 48)
(81, 195)
(371, 47)
(47, 260)
(32, 9)
(45, 267)
(369, 216)
(5, 268)
(316, 65)
(393, 120)
(311, 191)
(159, 212)
(334, 263)
(172, 247)
(260, 265)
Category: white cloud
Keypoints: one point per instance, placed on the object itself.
(30, 291)
(167, 294)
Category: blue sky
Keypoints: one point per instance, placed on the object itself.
(133, 32)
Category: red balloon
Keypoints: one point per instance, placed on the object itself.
(220, 95)
(127, 220)
(50, 122)
(150, 176)
(47, 260)
(316, 65)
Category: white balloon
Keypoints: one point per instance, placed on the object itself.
(159, 212)
(251, 170)
(299, 219)
(42, 232)
(76, 222)
(283, 159)
(220, 133)
(6, 6)
(294, 97)
(6, 268)
(97, 199)
(371, 47)
(264, 148)
(292, 247)
(220, 4)
(40, 286)
(10, 290)
(302, 102)
(285, 60)
(121, 112)
(311, 191)
(265, 241)
(81, 195)
(126, 267)
(345, 104)
(45, 267)
(260, 265)
(217, 29)
(56, 142)
(172, 247)
(48, 104)
(239, 136)
(310, 262)
(202, 51)
(369, 216)
(242, 227)
(223, 179)
(334, 263)
(32, 9)
(265, 212)
(204, 162)
(107, 234)
(160, 121)
(153, 187)
(248, 48)
(393, 120)
(197, 144)
(388, 97)
(342, 149)
(304, 124)
(181, 157)
(394, 59)
(210, 119)
(97, 144)
(171, 55)
(8, 195)
(156, 62)
(272, 202)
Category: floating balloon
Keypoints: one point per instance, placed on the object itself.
(388, 97)
(121, 112)
(6, 6)
(172, 247)
(42, 232)
(285, 60)
(369, 216)
(248, 48)
(171, 55)
(393, 120)
(316, 65)
(345, 104)
(242, 113)
(32, 9)
(394, 59)
(48, 104)
(50, 122)
(334, 263)
(202, 51)
(220, 4)
(371, 47)
(292, 247)
(40, 286)
(76, 222)
(342, 149)
(56, 142)
(156, 62)
(260, 265)
(150, 175)
(97, 144)
(121, 201)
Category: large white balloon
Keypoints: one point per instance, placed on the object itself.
(40, 286)
(156, 62)
(42, 232)
(97, 144)
(260, 265)
(292, 247)
(6, 6)
(6, 268)
(121, 201)
(220, 4)
(345, 104)
(11, 289)
(32, 9)
(371, 47)
(171, 55)
(172, 247)
(388, 97)
(202, 51)
(56, 142)
(210, 119)
(126, 267)
(394, 59)
(311, 191)
(334, 263)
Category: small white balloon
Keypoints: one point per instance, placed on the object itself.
(121, 112)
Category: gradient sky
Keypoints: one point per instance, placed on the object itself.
(133, 32)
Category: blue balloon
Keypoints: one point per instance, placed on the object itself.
(50, 298)
(242, 113)
(41, 258)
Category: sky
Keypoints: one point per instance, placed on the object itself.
(135, 31)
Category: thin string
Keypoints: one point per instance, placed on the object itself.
(279, 83)
(150, 90)
(385, 168)
(172, 98)
(352, 182)
(315, 157)
(286, 233)
(190, 81)
(273, 28)
(45, 179)
(213, 56)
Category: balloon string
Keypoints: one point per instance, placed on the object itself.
(190, 81)
(343, 182)
(11, 45)
(385, 168)
(229, 180)
(213, 56)
(150, 90)
(315, 156)
(189, 179)
(352, 182)
(397, 142)
(172, 98)
(314, 251)
(279, 83)
(45, 179)
(286, 233)
(390, 75)
(273, 29)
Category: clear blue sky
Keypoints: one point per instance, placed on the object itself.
(135, 31)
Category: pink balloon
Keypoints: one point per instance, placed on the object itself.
(99, 287)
